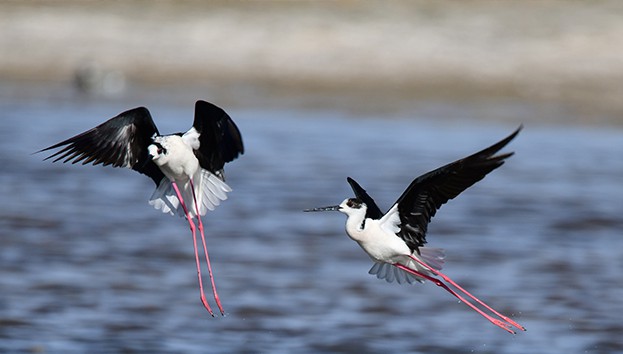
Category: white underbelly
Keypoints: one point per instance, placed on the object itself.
(181, 168)
(179, 173)
(388, 249)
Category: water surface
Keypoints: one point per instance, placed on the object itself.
(86, 265)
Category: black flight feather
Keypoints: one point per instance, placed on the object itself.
(219, 138)
(121, 141)
(427, 193)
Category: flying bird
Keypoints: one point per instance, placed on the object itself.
(187, 168)
(396, 240)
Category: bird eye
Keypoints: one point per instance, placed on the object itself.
(353, 203)
(161, 150)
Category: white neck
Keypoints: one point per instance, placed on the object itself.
(354, 223)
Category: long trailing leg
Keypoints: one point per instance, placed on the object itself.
(204, 301)
(205, 250)
(447, 278)
(438, 282)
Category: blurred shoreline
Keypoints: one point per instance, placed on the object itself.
(562, 54)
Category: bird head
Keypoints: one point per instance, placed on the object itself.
(156, 151)
(349, 207)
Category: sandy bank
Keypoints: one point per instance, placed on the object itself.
(567, 51)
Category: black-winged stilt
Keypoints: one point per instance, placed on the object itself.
(186, 167)
(395, 240)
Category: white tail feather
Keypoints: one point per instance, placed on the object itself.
(210, 190)
(434, 257)
(164, 197)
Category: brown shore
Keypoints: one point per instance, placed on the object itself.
(561, 53)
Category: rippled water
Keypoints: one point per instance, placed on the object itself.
(86, 265)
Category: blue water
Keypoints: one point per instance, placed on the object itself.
(86, 265)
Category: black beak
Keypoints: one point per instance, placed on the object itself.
(329, 208)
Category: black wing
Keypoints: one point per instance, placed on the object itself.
(121, 141)
(372, 211)
(219, 138)
(427, 193)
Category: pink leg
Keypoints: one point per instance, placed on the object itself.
(438, 282)
(205, 250)
(193, 230)
(446, 278)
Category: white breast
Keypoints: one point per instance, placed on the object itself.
(379, 244)
(178, 162)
